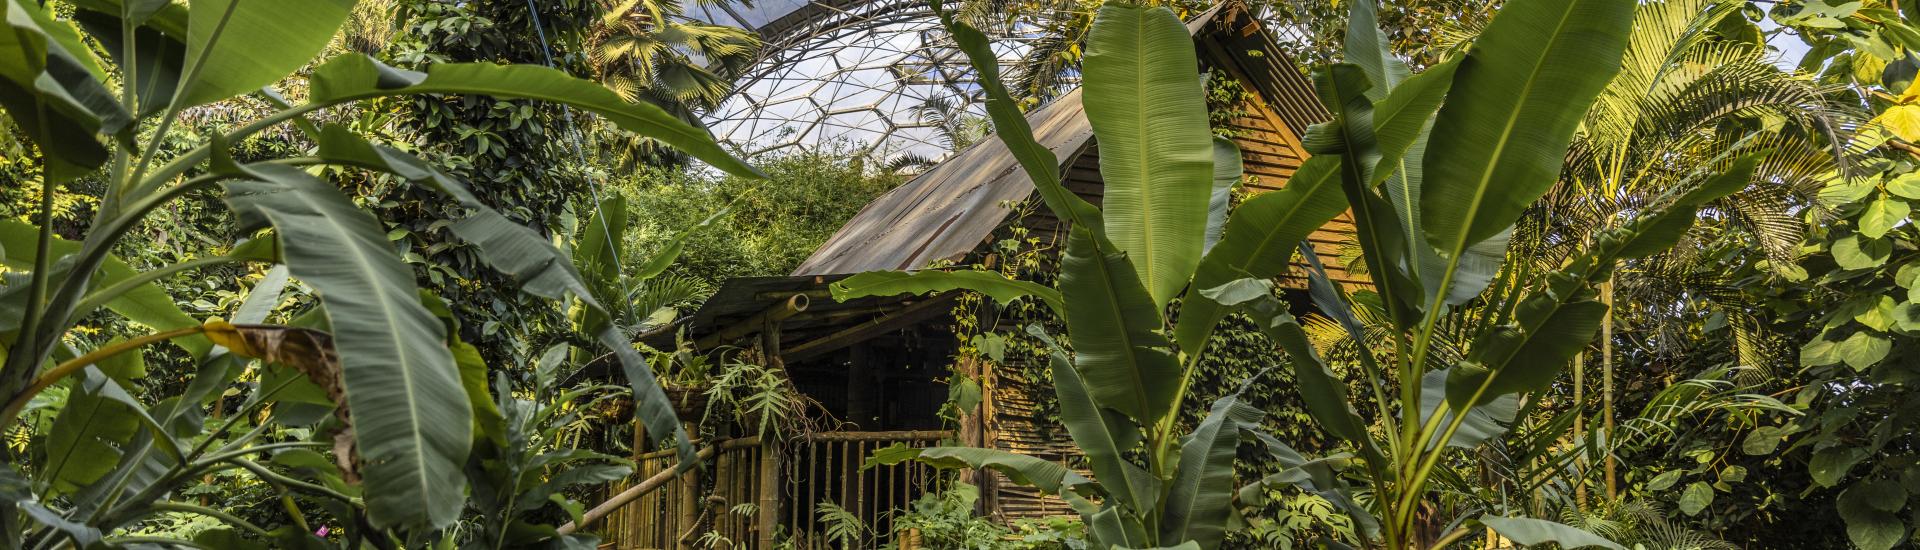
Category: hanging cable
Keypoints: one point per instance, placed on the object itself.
(599, 215)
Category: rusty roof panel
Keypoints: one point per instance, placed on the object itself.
(950, 209)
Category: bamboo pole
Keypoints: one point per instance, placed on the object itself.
(633, 493)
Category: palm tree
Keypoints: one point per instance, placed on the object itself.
(1686, 97)
(649, 50)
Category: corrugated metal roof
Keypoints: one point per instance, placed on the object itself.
(951, 209)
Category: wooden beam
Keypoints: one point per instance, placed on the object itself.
(633, 493)
(863, 331)
(774, 314)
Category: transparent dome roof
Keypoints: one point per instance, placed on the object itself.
(846, 73)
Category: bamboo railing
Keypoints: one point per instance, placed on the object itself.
(752, 494)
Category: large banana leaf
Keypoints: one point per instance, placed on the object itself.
(1366, 48)
(50, 88)
(412, 423)
(1258, 242)
(157, 61)
(990, 283)
(1534, 532)
(85, 440)
(1010, 125)
(237, 46)
(1048, 476)
(1200, 499)
(1324, 394)
(1116, 332)
(353, 77)
(146, 304)
(1482, 423)
(1403, 118)
(1227, 171)
(1517, 97)
(1105, 437)
(1389, 259)
(1149, 116)
(1556, 321)
(651, 404)
(597, 255)
(539, 267)
(530, 259)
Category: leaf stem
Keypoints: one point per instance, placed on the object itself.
(174, 506)
(71, 366)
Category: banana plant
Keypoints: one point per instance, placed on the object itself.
(407, 415)
(1436, 166)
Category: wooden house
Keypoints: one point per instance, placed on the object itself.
(879, 365)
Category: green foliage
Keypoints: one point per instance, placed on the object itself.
(374, 369)
(775, 223)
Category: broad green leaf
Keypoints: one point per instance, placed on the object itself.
(1735, 179)
(1481, 423)
(540, 268)
(158, 58)
(1877, 313)
(1389, 259)
(1115, 328)
(1200, 499)
(513, 249)
(1882, 215)
(1869, 510)
(412, 422)
(1105, 437)
(1529, 532)
(1010, 125)
(1830, 465)
(651, 405)
(125, 367)
(1259, 240)
(1863, 350)
(1047, 476)
(1527, 355)
(1516, 100)
(597, 255)
(1906, 186)
(1860, 252)
(1762, 441)
(1325, 395)
(1149, 116)
(1695, 499)
(990, 283)
(165, 16)
(1403, 118)
(84, 443)
(51, 90)
(1665, 230)
(1844, 191)
(146, 304)
(354, 77)
(1554, 322)
(237, 46)
(1665, 479)
(1366, 47)
(1819, 352)
(1227, 171)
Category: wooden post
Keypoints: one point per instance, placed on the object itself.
(769, 516)
(687, 488)
(769, 470)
